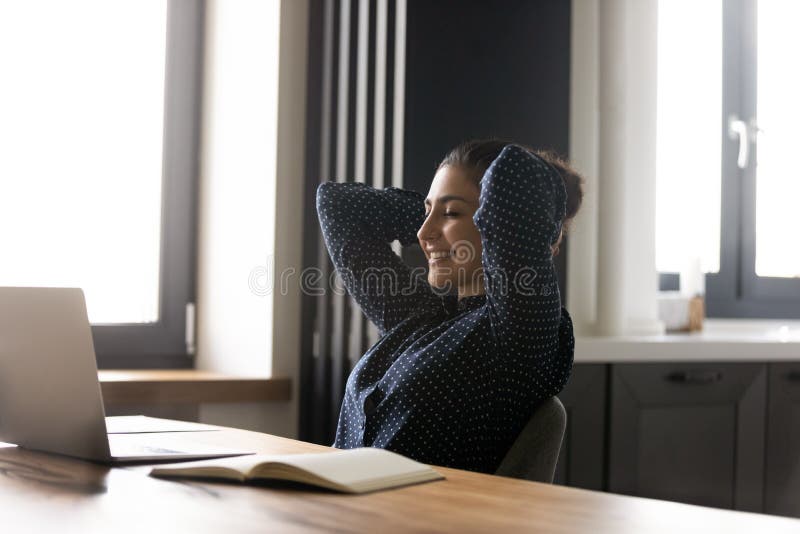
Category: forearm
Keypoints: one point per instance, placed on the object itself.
(358, 224)
(522, 204)
(358, 211)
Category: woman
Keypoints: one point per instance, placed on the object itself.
(465, 357)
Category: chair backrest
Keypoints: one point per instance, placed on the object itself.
(534, 454)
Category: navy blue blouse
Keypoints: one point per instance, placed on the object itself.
(452, 382)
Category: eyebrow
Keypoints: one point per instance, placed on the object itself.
(447, 198)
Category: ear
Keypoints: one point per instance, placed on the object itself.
(555, 247)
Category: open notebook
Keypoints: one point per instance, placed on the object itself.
(349, 471)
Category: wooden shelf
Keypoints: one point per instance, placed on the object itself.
(176, 386)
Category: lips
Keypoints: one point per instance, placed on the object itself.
(438, 256)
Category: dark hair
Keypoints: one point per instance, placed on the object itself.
(475, 157)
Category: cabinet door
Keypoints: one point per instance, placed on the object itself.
(689, 432)
(581, 460)
(782, 491)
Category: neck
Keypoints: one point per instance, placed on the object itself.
(474, 287)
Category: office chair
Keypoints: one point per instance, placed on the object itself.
(534, 454)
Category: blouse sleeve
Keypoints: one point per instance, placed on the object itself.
(358, 224)
(522, 204)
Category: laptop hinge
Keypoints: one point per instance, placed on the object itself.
(190, 330)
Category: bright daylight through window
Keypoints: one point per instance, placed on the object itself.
(690, 136)
(777, 178)
(81, 136)
(688, 152)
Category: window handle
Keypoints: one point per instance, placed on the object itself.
(737, 129)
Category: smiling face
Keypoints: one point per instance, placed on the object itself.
(449, 237)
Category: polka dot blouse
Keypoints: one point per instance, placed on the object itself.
(452, 382)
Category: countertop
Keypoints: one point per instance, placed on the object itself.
(720, 340)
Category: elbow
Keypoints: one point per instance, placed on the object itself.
(323, 192)
(324, 200)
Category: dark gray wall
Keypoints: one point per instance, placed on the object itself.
(477, 68)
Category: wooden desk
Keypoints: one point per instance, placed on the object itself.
(48, 493)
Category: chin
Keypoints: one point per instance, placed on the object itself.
(441, 283)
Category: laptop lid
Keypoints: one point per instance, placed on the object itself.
(50, 397)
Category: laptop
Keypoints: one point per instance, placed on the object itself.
(50, 398)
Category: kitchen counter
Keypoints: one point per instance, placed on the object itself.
(720, 340)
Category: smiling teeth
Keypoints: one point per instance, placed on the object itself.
(437, 255)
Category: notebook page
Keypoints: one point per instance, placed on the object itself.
(347, 467)
(243, 464)
(344, 467)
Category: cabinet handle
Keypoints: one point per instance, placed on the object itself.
(697, 377)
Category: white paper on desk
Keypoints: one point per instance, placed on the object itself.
(139, 424)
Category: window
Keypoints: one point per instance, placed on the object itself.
(98, 174)
(727, 188)
(688, 156)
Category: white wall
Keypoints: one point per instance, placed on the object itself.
(583, 124)
(612, 277)
(253, 154)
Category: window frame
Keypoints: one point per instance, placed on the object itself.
(163, 344)
(779, 291)
(736, 291)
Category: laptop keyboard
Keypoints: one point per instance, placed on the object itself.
(137, 445)
(157, 450)
(160, 445)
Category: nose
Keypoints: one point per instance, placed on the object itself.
(429, 230)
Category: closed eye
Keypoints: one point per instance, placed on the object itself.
(446, 214)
